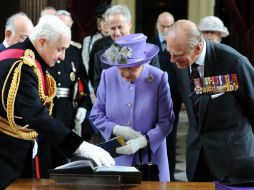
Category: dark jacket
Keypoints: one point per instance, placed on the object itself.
(63, 72)
(224, 131)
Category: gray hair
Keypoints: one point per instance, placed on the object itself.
(50, 27)
(62, 12)
(11, 21)
(188, 31)
(119, 9)
(46, 9)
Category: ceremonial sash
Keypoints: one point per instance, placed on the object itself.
(16, 54)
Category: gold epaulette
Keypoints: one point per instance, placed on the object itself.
(76, 44)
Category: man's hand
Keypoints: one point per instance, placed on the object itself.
(132, 146)
(97, 154)
(126, 132)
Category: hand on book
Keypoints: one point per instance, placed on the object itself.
(133, 146)
(97, 154)
(126, 132)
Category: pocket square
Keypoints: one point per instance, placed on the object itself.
(217, 95)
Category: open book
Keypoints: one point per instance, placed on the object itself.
(128, 174)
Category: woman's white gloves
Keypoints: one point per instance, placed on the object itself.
(97, 154)
(133, 146)
(135, 140)
(126, 132)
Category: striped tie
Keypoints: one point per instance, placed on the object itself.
(195, 98)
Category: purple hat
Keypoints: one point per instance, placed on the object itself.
(129, 51)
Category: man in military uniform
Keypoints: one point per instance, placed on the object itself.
(70, 105)
(26, 106)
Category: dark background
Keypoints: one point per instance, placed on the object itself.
(237, 15)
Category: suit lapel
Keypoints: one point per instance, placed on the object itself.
(210, 65)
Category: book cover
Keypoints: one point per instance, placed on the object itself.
(112, 144)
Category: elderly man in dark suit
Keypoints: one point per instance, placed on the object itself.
(17, 29)
(165, 19)
(221, 106)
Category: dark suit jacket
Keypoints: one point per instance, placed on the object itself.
(2, 47)
(98, 45)
(167, 66)
(224, 131)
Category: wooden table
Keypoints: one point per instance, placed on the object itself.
(29, 184)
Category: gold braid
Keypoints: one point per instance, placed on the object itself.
(28, 59)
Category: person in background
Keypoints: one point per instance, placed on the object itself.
(164, 21)
(69, 108)
(48, 11)
(133, 101)
(217, 87)
(102, 31)
(17, 29)
(213, 28)
(28, 92)
(118, 18)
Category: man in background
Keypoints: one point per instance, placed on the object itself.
(164, 21)
(17, 29)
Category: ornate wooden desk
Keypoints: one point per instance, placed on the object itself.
(29, 184)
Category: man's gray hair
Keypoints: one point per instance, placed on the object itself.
(188, 31)
(119, 9)
(51, 28)
(11, 21)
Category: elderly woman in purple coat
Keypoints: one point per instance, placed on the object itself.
(134, 101)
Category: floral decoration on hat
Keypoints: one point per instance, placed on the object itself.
(117, 54)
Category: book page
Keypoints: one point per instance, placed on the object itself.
(77, 164)
(116, 169)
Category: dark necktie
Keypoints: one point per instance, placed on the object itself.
(195, 98)
(164, 45)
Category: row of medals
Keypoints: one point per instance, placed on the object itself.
(216, 84)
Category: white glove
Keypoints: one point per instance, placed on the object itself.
(97, 154)
(126, 132)
(80, 116)
(77, 129)
(132, 146)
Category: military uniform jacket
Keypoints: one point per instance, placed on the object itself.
(66, 74)
(224, 130)
(14, 153)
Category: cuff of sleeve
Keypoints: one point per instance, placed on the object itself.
(70, 144)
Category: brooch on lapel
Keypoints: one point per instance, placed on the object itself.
(150, 78)
(216, 84)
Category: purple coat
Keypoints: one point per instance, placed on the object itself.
(144, 105)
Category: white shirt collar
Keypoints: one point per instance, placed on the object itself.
(5, 44)
(201, 61)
